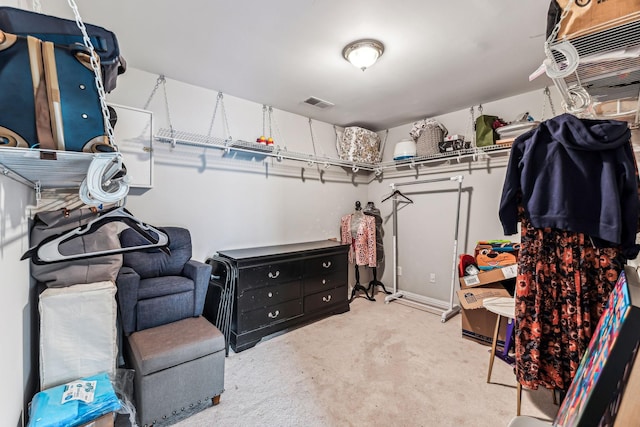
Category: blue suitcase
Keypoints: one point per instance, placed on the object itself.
(57, 108)
(66, 32)
(75, 111)
(21, 81)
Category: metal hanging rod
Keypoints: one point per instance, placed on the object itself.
(458, 178)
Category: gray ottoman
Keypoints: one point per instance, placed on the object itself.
(177, 366)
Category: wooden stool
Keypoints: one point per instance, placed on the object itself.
(503, 307)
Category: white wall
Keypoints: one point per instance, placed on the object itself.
(17, 307)
(236, 203)
(426, 228)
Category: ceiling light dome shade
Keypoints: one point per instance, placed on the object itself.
(363, 53)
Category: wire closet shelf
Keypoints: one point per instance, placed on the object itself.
(175, 137)
(598, 66)
(33, 167)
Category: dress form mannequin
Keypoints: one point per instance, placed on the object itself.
(356, 217)
(371, 210)
(352, 228)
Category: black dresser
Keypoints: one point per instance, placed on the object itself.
(286, 285)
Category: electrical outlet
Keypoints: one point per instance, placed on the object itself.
(399, 271)
(432, 277)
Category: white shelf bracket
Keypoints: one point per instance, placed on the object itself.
(38, 189)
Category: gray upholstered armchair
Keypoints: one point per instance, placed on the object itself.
(155, 288)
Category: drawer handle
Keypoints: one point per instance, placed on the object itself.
(274, 276)
(326, 264)
(324, 281)
(270, 294)
(273, 316)
(327, 298)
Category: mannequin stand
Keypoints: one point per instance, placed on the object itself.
(375, 282)
(359, 287)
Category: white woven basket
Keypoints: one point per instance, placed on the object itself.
(427, 134)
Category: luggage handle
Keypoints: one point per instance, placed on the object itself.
(83, 54)
(8, 140)
(7, 40)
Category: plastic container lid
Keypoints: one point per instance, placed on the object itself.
(404, 149)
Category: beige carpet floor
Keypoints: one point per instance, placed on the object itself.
(376, 365)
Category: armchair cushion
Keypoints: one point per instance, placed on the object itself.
(164, 285)
(162, 310)
(154, 263)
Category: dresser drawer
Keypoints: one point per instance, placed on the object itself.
(326, 298)
(268, 315)
(326, 264)
(268, 296)
(269, 274)
(324, 282)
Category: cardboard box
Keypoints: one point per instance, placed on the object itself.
(505, 142)
(107, 420)
(478, 324)
(454, 137)
(488, 277)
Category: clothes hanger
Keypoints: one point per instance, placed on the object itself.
(48, 251)
(397, 192)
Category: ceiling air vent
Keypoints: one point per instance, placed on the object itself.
(319, 103)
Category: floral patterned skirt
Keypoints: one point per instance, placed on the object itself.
(562, 286)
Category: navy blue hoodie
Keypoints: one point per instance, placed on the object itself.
(577, 175)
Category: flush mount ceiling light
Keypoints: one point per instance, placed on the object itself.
(363, 53)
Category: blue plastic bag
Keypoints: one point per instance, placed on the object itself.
(63, 406)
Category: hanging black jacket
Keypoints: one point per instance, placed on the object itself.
(577, 175)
